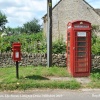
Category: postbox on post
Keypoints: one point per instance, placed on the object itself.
(79, 48)
(16, 48)
(16, 55)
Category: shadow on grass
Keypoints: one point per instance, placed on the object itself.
(95, 70)
(36, 77)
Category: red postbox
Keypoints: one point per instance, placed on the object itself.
(16, 48)
(79, 48)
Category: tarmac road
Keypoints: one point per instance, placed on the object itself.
(50, 94)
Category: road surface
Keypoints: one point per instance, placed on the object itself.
(50, 94)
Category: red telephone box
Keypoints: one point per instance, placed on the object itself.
(79, 48)
(16, 48)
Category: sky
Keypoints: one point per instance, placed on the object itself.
(19, 12)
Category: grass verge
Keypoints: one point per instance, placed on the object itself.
(95, 77)
(28, 84)
(34, 77)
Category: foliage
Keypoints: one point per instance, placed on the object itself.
(34, 43)
(95, 40)
(14, 31)
(30, 43)
(95, 77)
(94, 85)
(3, 19)
(32, 26)
(95, 27)
(59, 47)
(95, 45)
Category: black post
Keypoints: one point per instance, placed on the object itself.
(49, 33)
(17, 71)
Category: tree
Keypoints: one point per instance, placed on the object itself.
(14, 31)
(3, 19)
(32, 26)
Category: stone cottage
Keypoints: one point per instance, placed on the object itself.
(69, 10)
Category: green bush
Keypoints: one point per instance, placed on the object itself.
(95, 76)
(95, 45)
(29, 43)
(33, 43)
(59, 47)
(95, 27)
(95, 40)
(36, 43)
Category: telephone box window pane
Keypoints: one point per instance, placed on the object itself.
(68, 38)
(81, 59)
(81, 43)
(68, 59)
(81, 49)
(68, 56)
(81, 38)
(68, 52)
(68, 34)
(68, 44)
(81, 64)
(68, 48)
(68, 64)
(81, 69)
(81, 54)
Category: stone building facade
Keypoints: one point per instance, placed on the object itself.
(68, 10)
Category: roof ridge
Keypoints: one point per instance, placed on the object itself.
(97, 10)
(57, 4)
(83, 0)
(91, 7)
(53, 7)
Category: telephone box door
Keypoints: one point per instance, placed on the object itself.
(82, 54)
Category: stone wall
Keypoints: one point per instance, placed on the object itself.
(96, 62)
(32, 60)
(6, 60)
(41, 59)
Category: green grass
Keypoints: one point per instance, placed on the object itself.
(30, 84)
(38, 77)
(95, 77)
(10, 72)
(94, 84)
(34, 77)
